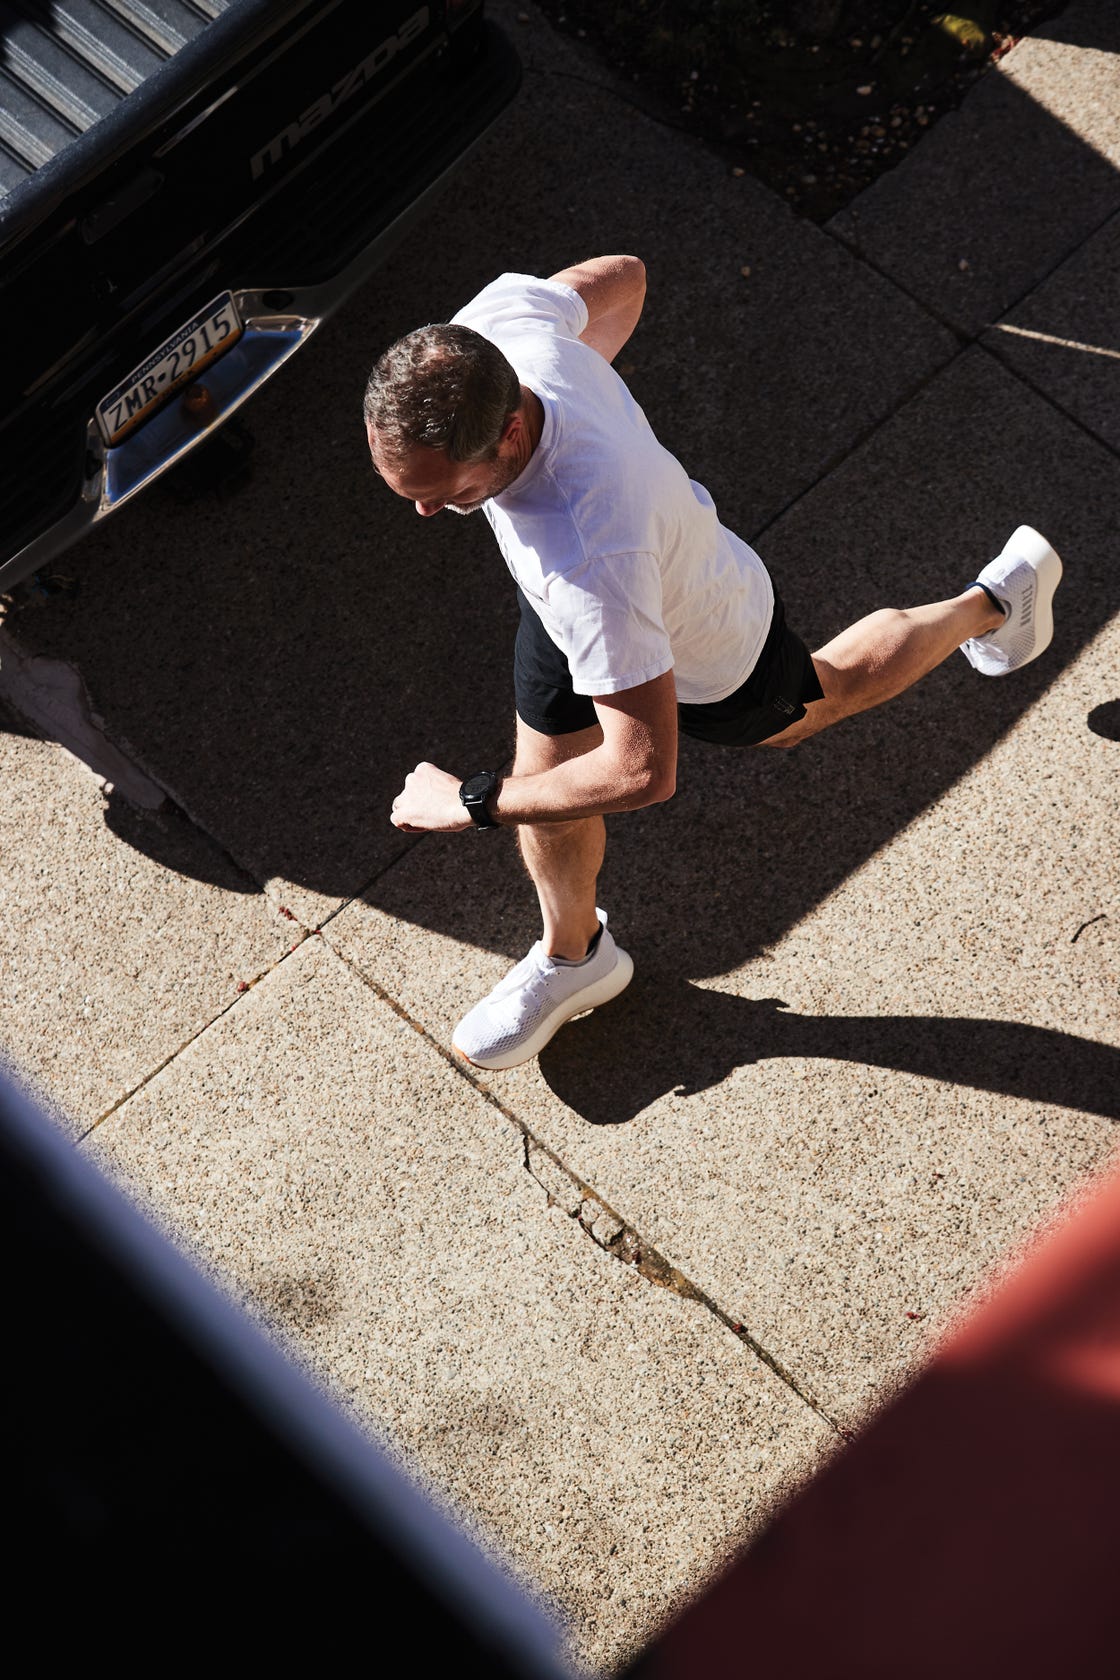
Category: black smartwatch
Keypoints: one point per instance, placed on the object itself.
(474, 793)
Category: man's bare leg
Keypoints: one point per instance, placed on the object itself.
(884, 654)
(560, 977)
(563, 859)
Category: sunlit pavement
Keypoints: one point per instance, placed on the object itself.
(614, 1304)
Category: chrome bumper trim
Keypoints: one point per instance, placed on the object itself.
(264, 346)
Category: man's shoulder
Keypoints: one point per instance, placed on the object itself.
(518, 303)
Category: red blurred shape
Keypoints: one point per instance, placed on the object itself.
(973, 1530)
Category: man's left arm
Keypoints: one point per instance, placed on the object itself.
(634, 765)
(613, 290)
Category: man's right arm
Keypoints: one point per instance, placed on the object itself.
(613, 289)
(635, 764)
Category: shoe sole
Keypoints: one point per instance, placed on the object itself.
(590, 998)
(1030, 545)
(1048, 565)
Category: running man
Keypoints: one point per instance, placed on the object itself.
(641, 615)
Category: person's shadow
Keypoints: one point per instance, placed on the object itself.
(665, 1035)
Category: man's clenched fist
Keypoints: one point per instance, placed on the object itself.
(429, 803)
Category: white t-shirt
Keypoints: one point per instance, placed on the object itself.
(617, 549)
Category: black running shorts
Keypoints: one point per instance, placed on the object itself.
(775, 694)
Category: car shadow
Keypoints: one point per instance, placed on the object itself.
(280, 660)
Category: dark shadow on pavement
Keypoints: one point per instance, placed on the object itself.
(280, 660)
(667, 1036)
(1105, 720)
(170, 839)
(1094, 25)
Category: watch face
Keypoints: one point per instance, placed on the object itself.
(478, 786)
(474, 793)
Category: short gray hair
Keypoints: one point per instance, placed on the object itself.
(442, 387)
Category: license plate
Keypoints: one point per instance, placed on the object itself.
(178, 360)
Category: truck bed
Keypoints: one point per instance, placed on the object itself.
(67, 65)
(160, 156)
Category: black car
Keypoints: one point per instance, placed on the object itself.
(187, 189)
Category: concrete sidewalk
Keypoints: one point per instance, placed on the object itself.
(614, 1304)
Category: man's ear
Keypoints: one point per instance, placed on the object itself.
(513, 425)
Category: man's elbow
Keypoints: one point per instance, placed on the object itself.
(636, 280)
(665, 784)
(656, 784)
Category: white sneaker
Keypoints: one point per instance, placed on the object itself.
(517, 1019)
(1024, 578)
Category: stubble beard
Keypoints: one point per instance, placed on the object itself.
(504, 474)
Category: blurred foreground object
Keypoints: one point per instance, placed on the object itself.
(972, 1530)
(178, 1490)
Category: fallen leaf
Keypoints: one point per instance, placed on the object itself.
(964, 30)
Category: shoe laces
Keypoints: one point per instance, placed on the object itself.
(524, 985)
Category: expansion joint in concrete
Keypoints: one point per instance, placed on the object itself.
(965, 338)
(606, 1228)
(1017, 373)
(615, 1236)
(856, 251)
(834, 462)
(411, 841)
(192, 1038)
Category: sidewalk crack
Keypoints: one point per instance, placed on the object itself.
(595, 1216)
(612, 1233)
